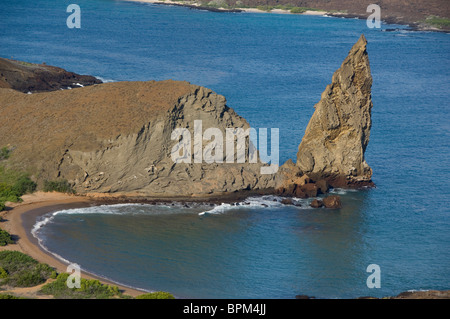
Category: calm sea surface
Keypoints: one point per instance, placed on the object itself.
(272, 69)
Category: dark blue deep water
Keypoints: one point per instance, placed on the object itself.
(272, 69)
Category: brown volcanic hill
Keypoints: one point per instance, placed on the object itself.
(28, 77)
(392, 11)
(116, 137)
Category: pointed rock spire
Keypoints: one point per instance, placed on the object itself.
(338, 133)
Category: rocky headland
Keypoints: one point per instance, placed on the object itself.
(331, 153)
(116, 139)
(30, 77)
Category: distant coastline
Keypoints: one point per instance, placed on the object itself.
(199, 6)
(414, 25)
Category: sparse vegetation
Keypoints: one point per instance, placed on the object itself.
(14, 184)
(5, 239)
(265, 8)
(25, 63)
(4, 153)
(89, 289)
(7, 296)
(156, 295)
(92, 289)
(22, 270)
(61, 186)
(3, 273)
(438, 22)
(298, 10)
(218, 4)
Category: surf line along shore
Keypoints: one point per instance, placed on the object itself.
(198, 5)
(21, 219)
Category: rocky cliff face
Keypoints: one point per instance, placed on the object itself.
(338, 133)
(117, 137)
(28, 77)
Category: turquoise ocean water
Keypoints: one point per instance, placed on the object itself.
(272, 69)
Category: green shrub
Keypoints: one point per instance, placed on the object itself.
(217, 4)
(239, 4)
(61, 186)
(24, 185)
(23, 270)
(284, 6)
(3, 273)
(4, 153)
(6, 296)
(298, 10)
(5, 238)
(438, 22)
(8, 193)
(156, 295)
(14, 184)
(89, 289)
(265, 8)
(53, 274)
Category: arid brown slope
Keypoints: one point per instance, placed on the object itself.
(116, 137)
(392, 11)
(28, 77)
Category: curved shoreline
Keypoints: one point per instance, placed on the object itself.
(20, 220)
(389, 20)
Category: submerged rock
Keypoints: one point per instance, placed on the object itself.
(287, 201)
(316, 203)
(333, 201)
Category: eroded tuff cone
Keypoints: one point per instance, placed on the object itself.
(338, 133)
(118, 138)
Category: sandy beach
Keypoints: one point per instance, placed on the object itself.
(20, 219)
(250, 10)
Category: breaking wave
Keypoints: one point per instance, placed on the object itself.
(270, 201)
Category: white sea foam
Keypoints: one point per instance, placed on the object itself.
(342, 191)
(101, 209)
(114, 209)
(40, 224)
(104, 80)
(259, 202)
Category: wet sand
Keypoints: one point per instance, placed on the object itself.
(20, 220)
